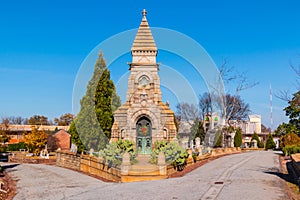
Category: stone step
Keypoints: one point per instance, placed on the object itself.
(141, 178)
(140, 170)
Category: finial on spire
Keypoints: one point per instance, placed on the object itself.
(144, 12)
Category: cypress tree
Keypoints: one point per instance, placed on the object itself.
(238, 138)
(270, 144)
(95, 118)
(219, 139)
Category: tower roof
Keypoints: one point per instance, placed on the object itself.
(144, 40)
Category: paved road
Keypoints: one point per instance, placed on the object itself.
(249, 175)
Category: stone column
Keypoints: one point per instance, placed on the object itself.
(125, 166)
(161, 163)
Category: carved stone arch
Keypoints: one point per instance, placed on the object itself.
(140, 74)
(151, 116)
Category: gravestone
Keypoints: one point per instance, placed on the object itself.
(91, 152)
(161, 162)
(125, 166)
(73, 148)
(197, 142)
(161, 159)
(254, 143)
(191, 144)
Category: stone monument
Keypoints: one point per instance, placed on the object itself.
(144, 118)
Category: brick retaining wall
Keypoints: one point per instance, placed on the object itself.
(296, 163)
(88, 164)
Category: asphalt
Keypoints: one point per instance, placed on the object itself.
(252, 175)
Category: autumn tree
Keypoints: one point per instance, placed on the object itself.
(289, 139)
(38, 120)
(95, 118)
(64, 120)
(35, 140)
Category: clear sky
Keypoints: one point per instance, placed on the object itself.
(43, 43)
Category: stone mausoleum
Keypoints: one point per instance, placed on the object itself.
(144, 118)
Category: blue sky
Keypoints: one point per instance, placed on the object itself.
(43, 43)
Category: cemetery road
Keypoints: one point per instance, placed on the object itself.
(252, 175)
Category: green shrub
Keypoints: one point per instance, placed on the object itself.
(16, 147)
(291, 149)
(238, 138)
(174, 153)
(219, 141)
(114, 151)
(270, 144)
(259, 143)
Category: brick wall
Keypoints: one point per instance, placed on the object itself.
(88, 164)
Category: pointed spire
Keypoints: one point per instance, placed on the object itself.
(144, 40)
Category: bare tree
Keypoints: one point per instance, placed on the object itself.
(230, 106)
(187, 112)
(286, 95)
(205, 105)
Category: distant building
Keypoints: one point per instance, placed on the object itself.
(16, 131)
(59, 140)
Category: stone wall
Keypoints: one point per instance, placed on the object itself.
(88, 164)
(296, 163)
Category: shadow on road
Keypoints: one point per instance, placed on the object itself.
(9, 166)
(290, 177)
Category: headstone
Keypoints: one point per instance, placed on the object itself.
(200, 150)
(126, 159)
(161, 162)
(161, 159)
(73, 148)
(254, 143)
(125, 166)
(191, 144)
(91, 152)
(197, 142)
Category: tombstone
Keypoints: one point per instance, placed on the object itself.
(125, 166)
(200, 150)
(91, 152)
(161, 159)
(208, 149)
(197, 142)
(191, 144)
(254, 143)
(73, 148)
(161, 162)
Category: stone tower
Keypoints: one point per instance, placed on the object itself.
(144, 118)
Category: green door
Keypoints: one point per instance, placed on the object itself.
(143, 136)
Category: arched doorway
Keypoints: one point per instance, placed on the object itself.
(144, 136)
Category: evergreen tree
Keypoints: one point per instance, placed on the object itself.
(219, 141)
(255, 137)
(95, 119)
(270, 144)
(197, 130)
(75, 139)
(238, 138)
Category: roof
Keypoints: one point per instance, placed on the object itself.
(144, 40)
(16, 127)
